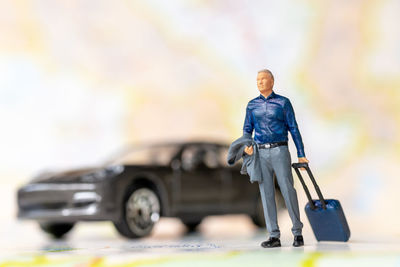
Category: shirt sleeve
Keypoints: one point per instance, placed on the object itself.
(248, 123)
(293, 128)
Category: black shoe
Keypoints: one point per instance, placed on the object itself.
(298, 241)
(272, 242)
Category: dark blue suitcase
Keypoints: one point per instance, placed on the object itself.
(326, 216)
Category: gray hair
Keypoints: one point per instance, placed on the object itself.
(267, 71)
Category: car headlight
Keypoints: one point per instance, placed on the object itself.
(102, 174)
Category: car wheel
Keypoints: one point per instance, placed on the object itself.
(191, 226)
(141, 210)
(56, 230)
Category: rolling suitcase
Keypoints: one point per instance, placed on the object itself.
(325, 215)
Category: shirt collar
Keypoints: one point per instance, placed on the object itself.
(272, 95)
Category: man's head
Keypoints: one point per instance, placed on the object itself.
(265, 81)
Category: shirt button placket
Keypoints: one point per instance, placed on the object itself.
(266, 129)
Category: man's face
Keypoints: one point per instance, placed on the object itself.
(264, 82)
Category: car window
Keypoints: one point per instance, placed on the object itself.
(191, 157)
(211, 158)
(195, 156)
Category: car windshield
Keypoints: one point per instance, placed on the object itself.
(146, 155)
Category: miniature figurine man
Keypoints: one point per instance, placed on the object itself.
(271, 116)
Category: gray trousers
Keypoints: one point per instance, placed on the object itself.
(278, 160)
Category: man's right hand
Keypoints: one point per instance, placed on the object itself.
(248, 150)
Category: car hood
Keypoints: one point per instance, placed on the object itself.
(63, 176)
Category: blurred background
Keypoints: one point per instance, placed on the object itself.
(80, 79)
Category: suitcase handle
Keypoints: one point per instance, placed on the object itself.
(296, 167)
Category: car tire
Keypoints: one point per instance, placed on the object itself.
(56, 230)
(192, 226)
(140, 211)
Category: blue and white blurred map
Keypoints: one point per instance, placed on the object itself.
(79, 79)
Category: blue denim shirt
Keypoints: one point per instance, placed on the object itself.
(271, 118)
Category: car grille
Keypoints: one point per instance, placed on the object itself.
(43, 206)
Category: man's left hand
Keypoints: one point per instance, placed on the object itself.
(303, 160)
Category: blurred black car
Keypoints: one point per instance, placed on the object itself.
(188, 180)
